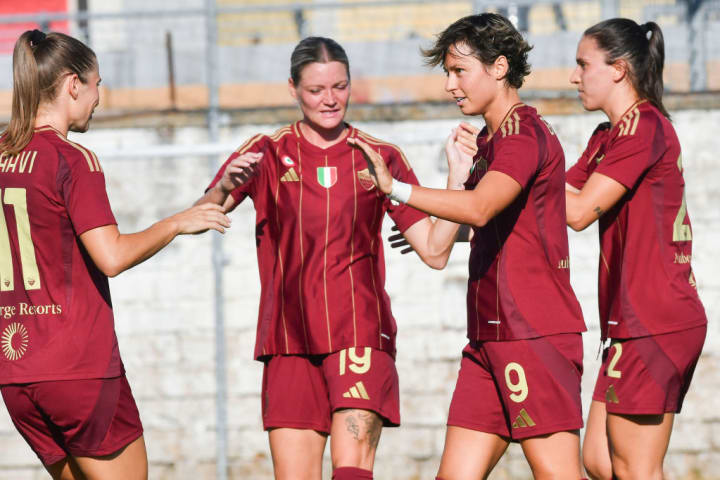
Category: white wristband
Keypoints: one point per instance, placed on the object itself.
(400, 191)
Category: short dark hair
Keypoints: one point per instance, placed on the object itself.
(642, 47)
(316, 49)
(490, 36)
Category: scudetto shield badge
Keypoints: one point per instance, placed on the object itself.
(327, 176)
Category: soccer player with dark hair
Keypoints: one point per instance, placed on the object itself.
(520, 373)
(325, 331)
(630, 179)
(61, 376)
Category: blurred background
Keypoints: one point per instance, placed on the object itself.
(185, 82)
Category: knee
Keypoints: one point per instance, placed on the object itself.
(549, 472)
(598, 467)
(359, 455)
(623, 469)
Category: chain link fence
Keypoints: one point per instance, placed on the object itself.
(154, 54)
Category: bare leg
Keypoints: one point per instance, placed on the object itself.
(128, 463)
(554, 456)
(469, 454)
(354, 437)
(297, 453)
(639, 443)
(596, 451)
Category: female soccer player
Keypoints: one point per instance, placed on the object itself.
(630, 178)
(325, 331)
(61, 376)
(520, 373)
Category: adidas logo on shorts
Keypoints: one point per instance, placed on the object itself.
(523, 420)
(357, 391)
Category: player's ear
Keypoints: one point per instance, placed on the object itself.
(500, 67)
(620, 70)
(291, 88)
(72, 85)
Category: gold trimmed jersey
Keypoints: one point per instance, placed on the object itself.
(519, 283)
(56, 320)
(646, 284)
(320, 253)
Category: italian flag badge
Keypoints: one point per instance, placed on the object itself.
(327, 176)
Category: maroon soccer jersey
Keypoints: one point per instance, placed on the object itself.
(646, 284)
(320, 254)
(56, 321)
(519, 284)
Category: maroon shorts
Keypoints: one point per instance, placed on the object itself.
(302, 391)
(81, 418)
(520, 388)
(649, 375)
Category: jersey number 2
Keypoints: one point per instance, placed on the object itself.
(16, 197)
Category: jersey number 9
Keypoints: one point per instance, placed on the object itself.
(519, 388)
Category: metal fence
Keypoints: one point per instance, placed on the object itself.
(157, 55)
(229, 54)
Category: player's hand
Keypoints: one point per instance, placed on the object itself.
(376, 165)
(398, 241)
(460, 148)
(240, 170)
(467, 137)
(200, 218)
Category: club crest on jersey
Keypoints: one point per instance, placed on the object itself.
(288, 161)
(327, 176)
(365, 179)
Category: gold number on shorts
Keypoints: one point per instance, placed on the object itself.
(681, 232)
(613, 362)
(31, 276)
(519, 388)
(358, 363)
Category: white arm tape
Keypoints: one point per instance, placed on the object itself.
(400, 191)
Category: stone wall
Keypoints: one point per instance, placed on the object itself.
(164, 313)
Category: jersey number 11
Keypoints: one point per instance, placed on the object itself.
(17, 198)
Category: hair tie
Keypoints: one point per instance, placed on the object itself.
(36, 36)
(646, 28)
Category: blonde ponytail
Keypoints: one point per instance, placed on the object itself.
(25, 97)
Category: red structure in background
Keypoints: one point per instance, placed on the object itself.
(9, 32)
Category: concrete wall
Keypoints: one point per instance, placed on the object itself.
(165, 322)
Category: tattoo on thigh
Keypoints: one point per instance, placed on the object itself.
(599, 211)
(364, 426)
(352, 426)
(373, 425)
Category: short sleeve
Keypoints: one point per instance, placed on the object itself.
(403, 215)
(517, 157)
(579, 173)
(633, 152)
(84, 193)
(255, 144)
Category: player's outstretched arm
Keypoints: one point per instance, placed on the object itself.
(599, 194)
(114, 252)
(494, 192)
(238, 171)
